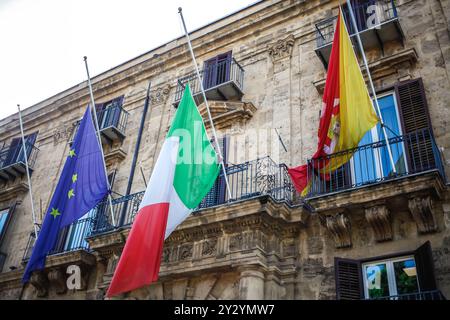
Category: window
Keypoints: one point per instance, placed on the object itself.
(217, 194)
(16, 152)
(109, 113)
(4, 218)
(372, 164)
(408, 273)
(217, 70)
(390, 278)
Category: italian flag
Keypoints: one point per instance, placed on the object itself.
(185, 171)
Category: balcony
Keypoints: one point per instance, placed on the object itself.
(414, 154)
(375, 30)
(248, 180)
(222, 81)
(112, 122)
(12, 160)
(71, 238)
(425, 295)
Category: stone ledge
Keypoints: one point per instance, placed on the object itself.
(12, 191)
(114, 156)
(382, 67)
(225, 113)
(404, 187)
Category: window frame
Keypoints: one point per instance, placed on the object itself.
(392, 282)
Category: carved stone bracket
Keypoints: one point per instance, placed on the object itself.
(422, 211)
(340, 228)
(57, 279)
(282, 48)
(379, 219)
(40, 282)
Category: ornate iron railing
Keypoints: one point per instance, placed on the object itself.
(214, 75)
(426, 295)
(112, 117)
(11, 155)
(247, 180)
(385, 10)
(413, 153)
(70, 238)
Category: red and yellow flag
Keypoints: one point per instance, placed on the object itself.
(347, 110)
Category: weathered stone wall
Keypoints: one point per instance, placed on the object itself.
(274, 41)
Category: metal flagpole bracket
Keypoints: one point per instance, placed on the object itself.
(219, 151)
(33, 213)
(97, 128)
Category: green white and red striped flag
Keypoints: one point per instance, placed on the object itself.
(185, 171)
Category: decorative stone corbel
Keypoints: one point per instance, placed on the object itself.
(379, 219)
(282, 48)
(422, 211)
(57, 279)
(340, 228)
(40, 282)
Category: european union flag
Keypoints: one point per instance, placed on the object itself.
(80, 188)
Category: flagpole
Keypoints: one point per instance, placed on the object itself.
(97, 128)
(206, 102)
(33, 213)
(372, 87)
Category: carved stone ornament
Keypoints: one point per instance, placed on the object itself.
(40, 282)
(422, 211)
(379, 219)
(339, 227)
(63, 133)
(57, 280)
(160, 95)
(282, 48)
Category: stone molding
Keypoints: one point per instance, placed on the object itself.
(160, 95)
(379, 219)
(227, 113)
(422, 212)
(282, 48)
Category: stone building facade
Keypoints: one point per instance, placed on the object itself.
(364, 233)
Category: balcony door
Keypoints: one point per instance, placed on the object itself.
(371, 162)
(216, 70)
(109, 113)
(16, 152)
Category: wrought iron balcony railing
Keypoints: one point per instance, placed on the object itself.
(12, 160)
(70, 238)
(223, 80)
(413, 153)
(425, 295)
(247, 180)
(377, 22)
(112, 123)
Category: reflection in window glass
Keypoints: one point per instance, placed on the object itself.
(406, 276)
(377, 280)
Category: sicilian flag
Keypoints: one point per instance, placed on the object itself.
(185, 171)
(347, 111)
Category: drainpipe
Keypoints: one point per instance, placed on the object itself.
(136, 152)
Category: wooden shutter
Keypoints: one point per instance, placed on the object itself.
(348, 277)
(416, 125)
(425, 267)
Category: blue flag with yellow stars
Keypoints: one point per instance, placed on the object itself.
(81, 186)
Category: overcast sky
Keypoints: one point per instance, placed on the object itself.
(42, 42)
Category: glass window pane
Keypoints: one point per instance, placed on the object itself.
(406, 276)
(377, 280)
